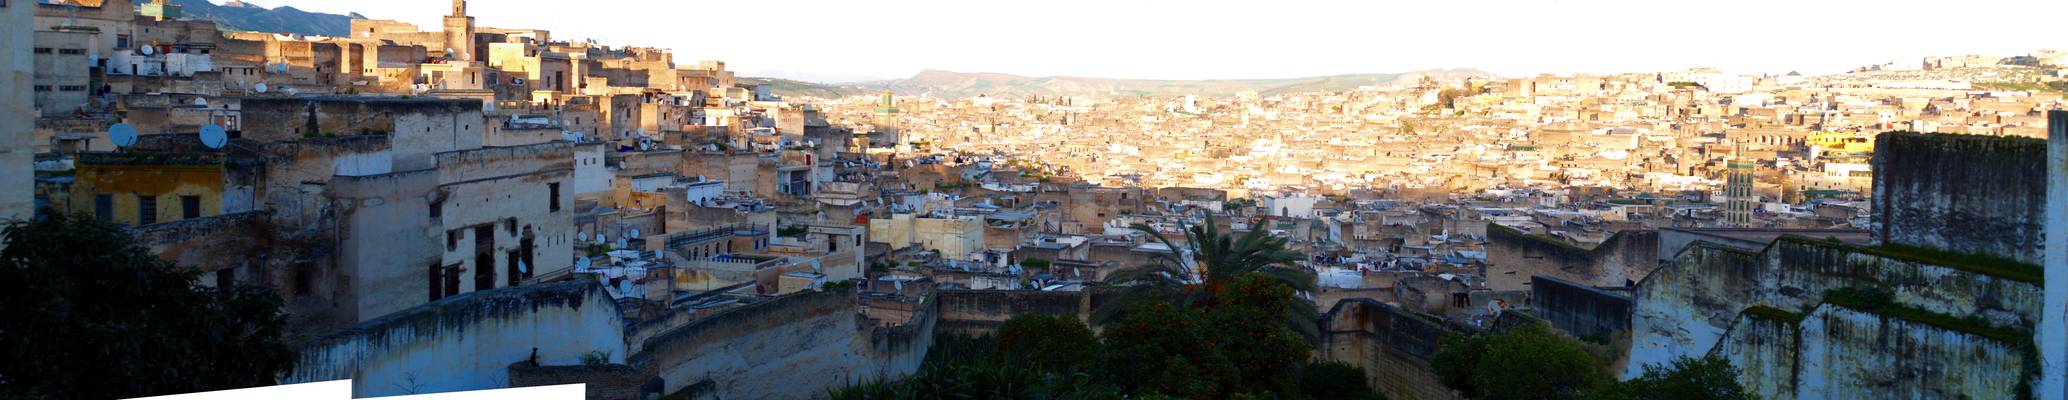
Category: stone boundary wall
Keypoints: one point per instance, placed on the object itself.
(1579, 309)
(466, 342)
(765, 350)
(1837, 351)
(976, 312)
(1763, 345)
(600, 382)
(1393, 346)
(1688, 308)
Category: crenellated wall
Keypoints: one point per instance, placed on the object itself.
(466, 342)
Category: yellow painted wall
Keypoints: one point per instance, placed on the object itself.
(127, 183)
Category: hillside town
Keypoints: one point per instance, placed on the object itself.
(669, 228)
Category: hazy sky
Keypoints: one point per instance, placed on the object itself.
(1200, 39)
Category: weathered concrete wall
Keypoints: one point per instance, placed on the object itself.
(793, 347)
(1967, 194)
(1848, 353)
(1764, 347)
(1686, 308)
(1513, 257)
(466, 342)
(1392, 345)
(1579, 309)
(17, 112)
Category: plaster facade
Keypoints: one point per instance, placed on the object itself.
(17, 110)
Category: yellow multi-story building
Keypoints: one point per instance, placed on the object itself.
(145, 189)
(1841, 143)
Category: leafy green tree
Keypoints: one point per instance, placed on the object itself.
(1220, 258)
(1529, 362)
(1334, 380)
(1036, 263)
(1457, 360)
(1707, 378)
(1247, 325)
(1047, 343)
(1162, 349)
(92, 315)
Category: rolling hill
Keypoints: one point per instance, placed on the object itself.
(243, 16)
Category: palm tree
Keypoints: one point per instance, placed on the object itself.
(1194, 273)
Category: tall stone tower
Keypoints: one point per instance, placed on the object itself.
(1738, 194)
(459, 32)
(887, 119)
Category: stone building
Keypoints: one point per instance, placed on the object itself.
(139, 189)
(107, 24)
(480, 219)
(418, 127)
(64, 74)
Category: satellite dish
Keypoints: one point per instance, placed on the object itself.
(634, 234)
(214, 137)
(123, 135)
(582, 264)
(516, 81)
(201, 102)
(658, 255)
(147, 50)
(523, 268)
(600, 238)
(261, 88)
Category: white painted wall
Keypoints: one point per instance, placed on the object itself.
(590, 174)
(1295, 206)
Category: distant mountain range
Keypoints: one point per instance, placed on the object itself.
(243, 16)
(962, 84)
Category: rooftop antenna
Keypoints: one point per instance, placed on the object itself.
(123, 135)
(214, 136)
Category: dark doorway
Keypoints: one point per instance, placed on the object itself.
(484, 257)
